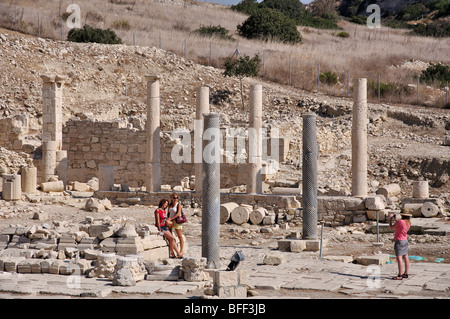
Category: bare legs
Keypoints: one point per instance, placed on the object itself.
(172, 244)
(180, 237)
(400, 260)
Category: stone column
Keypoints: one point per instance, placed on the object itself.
(153, 161)
(106, 178)
(211, 191)
(309, 176)
(202, 108)
(359, 139)
(28, 179)
(61, 166)
(52, 108)
(420, 189)
(254, 183)
(49, 149)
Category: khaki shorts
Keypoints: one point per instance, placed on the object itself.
(176, 226)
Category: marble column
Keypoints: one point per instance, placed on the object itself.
(359, 139)
(254, 182)
(153, 153)
(202, 108)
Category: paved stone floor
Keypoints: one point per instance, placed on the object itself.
(302, 275)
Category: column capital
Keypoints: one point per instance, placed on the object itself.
(48, 78)
(152, 78)
(51, 78)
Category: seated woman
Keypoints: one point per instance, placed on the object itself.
(162, 223)
(175, 211)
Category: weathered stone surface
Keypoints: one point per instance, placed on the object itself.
(375, 203)
(379, 259)
(193, 269)
(429, 209)
(274, 259)
(123, 277)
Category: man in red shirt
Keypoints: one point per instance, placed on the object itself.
(401, 241)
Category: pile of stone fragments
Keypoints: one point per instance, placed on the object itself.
(94, 247)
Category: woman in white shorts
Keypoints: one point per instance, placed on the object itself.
(174, 212)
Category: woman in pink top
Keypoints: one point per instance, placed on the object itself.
(401, 242)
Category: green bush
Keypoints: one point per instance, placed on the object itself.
(343, 34)
(89, 34)
(439, 73)
(397, 24)
(217, 31)
(412, 12)
(248, 7)
(292, 9)
(359, 19)
(385, 88)
(443, 7)
(438, 29)
(308, 20)
(328, 77)
(269, 24)
(242, 66)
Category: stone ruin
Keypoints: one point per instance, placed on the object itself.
(118, 152)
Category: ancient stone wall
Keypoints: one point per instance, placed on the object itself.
(92, 143)
(12, 129)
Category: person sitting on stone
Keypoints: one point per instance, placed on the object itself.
(162, 224)
(174, 212)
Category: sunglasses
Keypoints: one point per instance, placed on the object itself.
(175, 198)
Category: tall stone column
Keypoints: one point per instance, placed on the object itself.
(309, 175)
(359, 139)
(52, 97)
(202, 108)
(49, 149)
(211, 191)
(153, 161)
(254, 183)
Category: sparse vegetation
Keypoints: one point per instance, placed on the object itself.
(343, 34)
(121, 24)
(439, 73)
(328, 77)
(214, 31)
(90, 34)
(436, 29)
(365, 53)
(386, 88)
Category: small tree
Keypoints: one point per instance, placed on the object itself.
(270, 24)
(242, 67)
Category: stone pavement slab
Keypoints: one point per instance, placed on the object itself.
(142, 287)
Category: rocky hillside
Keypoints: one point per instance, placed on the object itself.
(106, 82)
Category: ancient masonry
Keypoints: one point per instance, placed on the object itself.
(119, 152)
